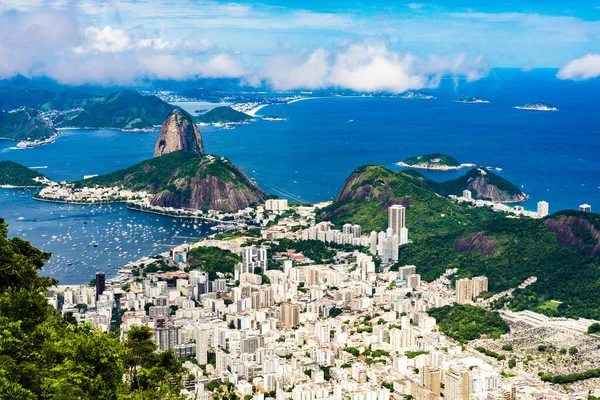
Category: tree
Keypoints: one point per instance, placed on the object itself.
(147, 307)
(594, 328)
(573, 350)
(512, 363)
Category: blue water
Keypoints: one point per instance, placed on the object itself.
(552, 155)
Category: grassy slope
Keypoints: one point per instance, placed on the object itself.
(15, 174)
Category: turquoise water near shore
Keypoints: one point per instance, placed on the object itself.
(554, 156)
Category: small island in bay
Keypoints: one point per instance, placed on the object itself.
(471, 100)
(222, 115)
(14, 175)
(537, 106)
(434, 161)
(417, 95)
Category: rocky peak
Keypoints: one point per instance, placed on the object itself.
(178, 132)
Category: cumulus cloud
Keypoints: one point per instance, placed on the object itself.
(582, 68)
(105, 40)
(367, 67)
(30, 38)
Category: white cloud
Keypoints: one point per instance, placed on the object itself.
(28, 39)
(415, 6)
(130, 68)
(105, 40)
(582, 68)
(367, 67)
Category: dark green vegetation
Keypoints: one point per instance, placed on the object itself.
(46, 355)
(185, 180)
(508, 251)
(313, 249)
(593, 328)
(222, 115)
(24, 125)
(490, 353)
(15, 174)
(434, 160)
(212, 260)
(126, 110)
(371, 189)
(466, 322)
(570, 378)
(481, 183)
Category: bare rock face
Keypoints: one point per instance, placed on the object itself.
(178, 132)
(575, 232)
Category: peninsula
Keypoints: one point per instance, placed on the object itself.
(417, 95)
(27, 127)
(434, 161)
(15, 175)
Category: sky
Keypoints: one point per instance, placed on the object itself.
(359, 45)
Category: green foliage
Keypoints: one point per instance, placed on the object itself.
(313, 249)
(570, 378)
(413, 354)
(24, 125)
(334, 312)
(457, 186)
(525, 248)
(507, 347)
(212, 260)
(465, 322)
(573, 350)
(512, 363)
(490, 353)
(44, 355)
(126, 109)
(222, 115)
(594, 328)
(15, 174)
(433, 160)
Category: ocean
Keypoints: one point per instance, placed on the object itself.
(552, 156)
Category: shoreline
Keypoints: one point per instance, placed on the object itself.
(436, 168)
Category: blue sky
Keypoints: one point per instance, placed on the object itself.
(385, 45)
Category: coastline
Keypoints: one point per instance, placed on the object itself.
(256, 109)
(436, 168)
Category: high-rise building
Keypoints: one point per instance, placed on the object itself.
(457, 384)
(413, 280)
(373, 243)
(356, 231)
(467, 194)
(585, 208)
(202, 343)
(432, 379)
(396, 218)
(100, 284)
(347, 229)
(542, 209)
(289, 314)
(403, 238)
(403, 272)
(464, 291)
(479, 284)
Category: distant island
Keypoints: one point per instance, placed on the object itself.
(222, 115)
(26, 126)
(15, 175)
(471, 100)
(417, 95)
(434, 161)
(537, 106)
(273, 118)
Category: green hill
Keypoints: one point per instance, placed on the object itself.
(371, 189)
(25, 125)
(483, 185)
(432, 161)
(186, 180)
(15, 174)
(126, 109)
(222, 115)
